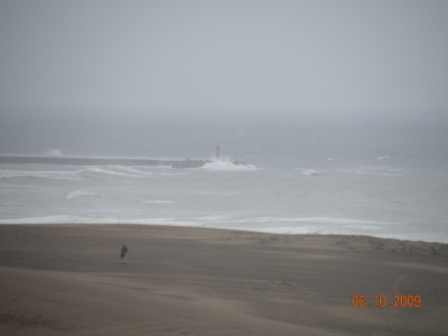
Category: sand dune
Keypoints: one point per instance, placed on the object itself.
(68, 280)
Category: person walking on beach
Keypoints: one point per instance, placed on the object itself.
(124, 253)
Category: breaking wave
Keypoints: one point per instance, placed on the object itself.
(79, 174)
(228, 165)
(158, 202)
(78, 193)
(56, 175)
(126, 171)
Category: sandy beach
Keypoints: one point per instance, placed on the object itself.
(69, 280)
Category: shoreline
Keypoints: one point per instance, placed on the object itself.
(383, 243)
(67, 279)
(43, 221)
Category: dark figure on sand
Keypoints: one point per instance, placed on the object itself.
(123, 254)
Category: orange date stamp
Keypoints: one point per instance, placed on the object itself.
(399, 301)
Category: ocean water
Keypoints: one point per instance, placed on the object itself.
(375, 200)
(383, 177)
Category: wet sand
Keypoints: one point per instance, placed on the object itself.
(68, 280)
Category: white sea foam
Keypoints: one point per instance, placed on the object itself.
(78, 193)
(116, 170)
(60, 219)
(53, 152)
(163, 221)
(338, 220)
(57, 175)
(274, 221)
(374, 170)
(302, 225)
(228, 165)
(77, 219)
(79, 174)
(126, 171)
(311, 172)
(158, 202)
(130, 169)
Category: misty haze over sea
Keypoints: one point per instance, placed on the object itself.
(382, 174)
(338, 108)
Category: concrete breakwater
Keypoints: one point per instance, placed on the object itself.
(91, 161)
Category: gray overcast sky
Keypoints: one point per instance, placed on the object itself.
(315, 54)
